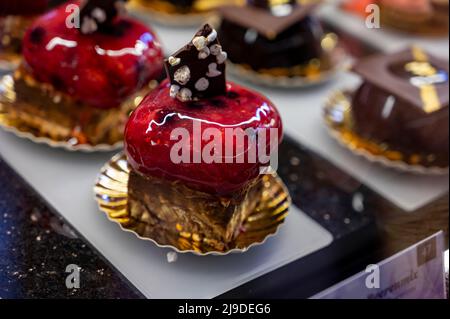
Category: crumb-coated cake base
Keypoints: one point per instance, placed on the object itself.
(175, 211)
(50, 113)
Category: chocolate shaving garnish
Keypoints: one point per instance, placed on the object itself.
(197, 70)
(269, 18)
(395, 74)
(99, 15)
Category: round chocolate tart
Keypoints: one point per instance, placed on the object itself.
(178, 12)
(400, 112)
(91, 79)
(419, 16)
(282, 43)
(191, 174)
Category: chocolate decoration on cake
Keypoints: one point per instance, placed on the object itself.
(99, 15)
(197, 71)
(267, 22)
(404, 103)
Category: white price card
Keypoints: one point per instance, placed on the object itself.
(414, 273)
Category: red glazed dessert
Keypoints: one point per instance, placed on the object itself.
(100, 69)
(150, 127)
(80, 79)
(206, 183)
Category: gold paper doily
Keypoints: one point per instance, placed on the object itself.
(111, 194)
(8, 97)
(339, 120)
(165, 13)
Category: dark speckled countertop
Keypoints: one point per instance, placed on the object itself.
(37, 245)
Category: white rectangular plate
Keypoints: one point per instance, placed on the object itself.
(65, 180)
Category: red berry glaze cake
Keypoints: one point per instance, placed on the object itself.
(101, 68)
(190, 171)
(149, 144)
(79, 84)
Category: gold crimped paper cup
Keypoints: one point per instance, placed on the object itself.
(339, 121)
(20, 124)
(111, 194)
(165, 13)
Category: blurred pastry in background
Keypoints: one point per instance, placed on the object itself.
(178, 12)
(15, 18)
(357, 6)
(400, 111)
(78, 85)
(278, 43)
(416, 16)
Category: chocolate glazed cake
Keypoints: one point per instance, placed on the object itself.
(202, 200)
(404, 103)
(280, 39)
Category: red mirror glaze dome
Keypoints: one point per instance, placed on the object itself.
(148, 142)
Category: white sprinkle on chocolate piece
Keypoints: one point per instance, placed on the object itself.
(99, 15)
(183, 75)
(200, 43)
(174, 61)
(202, 84)
(203, 54)
(185, 95)
(89, 26)
(212, 36)
(222, 57)
(174, 89)
(216, 49)
(212, 71)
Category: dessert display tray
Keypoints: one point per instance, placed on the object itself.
(301, 111)
(65, 180)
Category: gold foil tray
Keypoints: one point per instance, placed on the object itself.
(338, 118)
(162, 12)
(111, 194)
